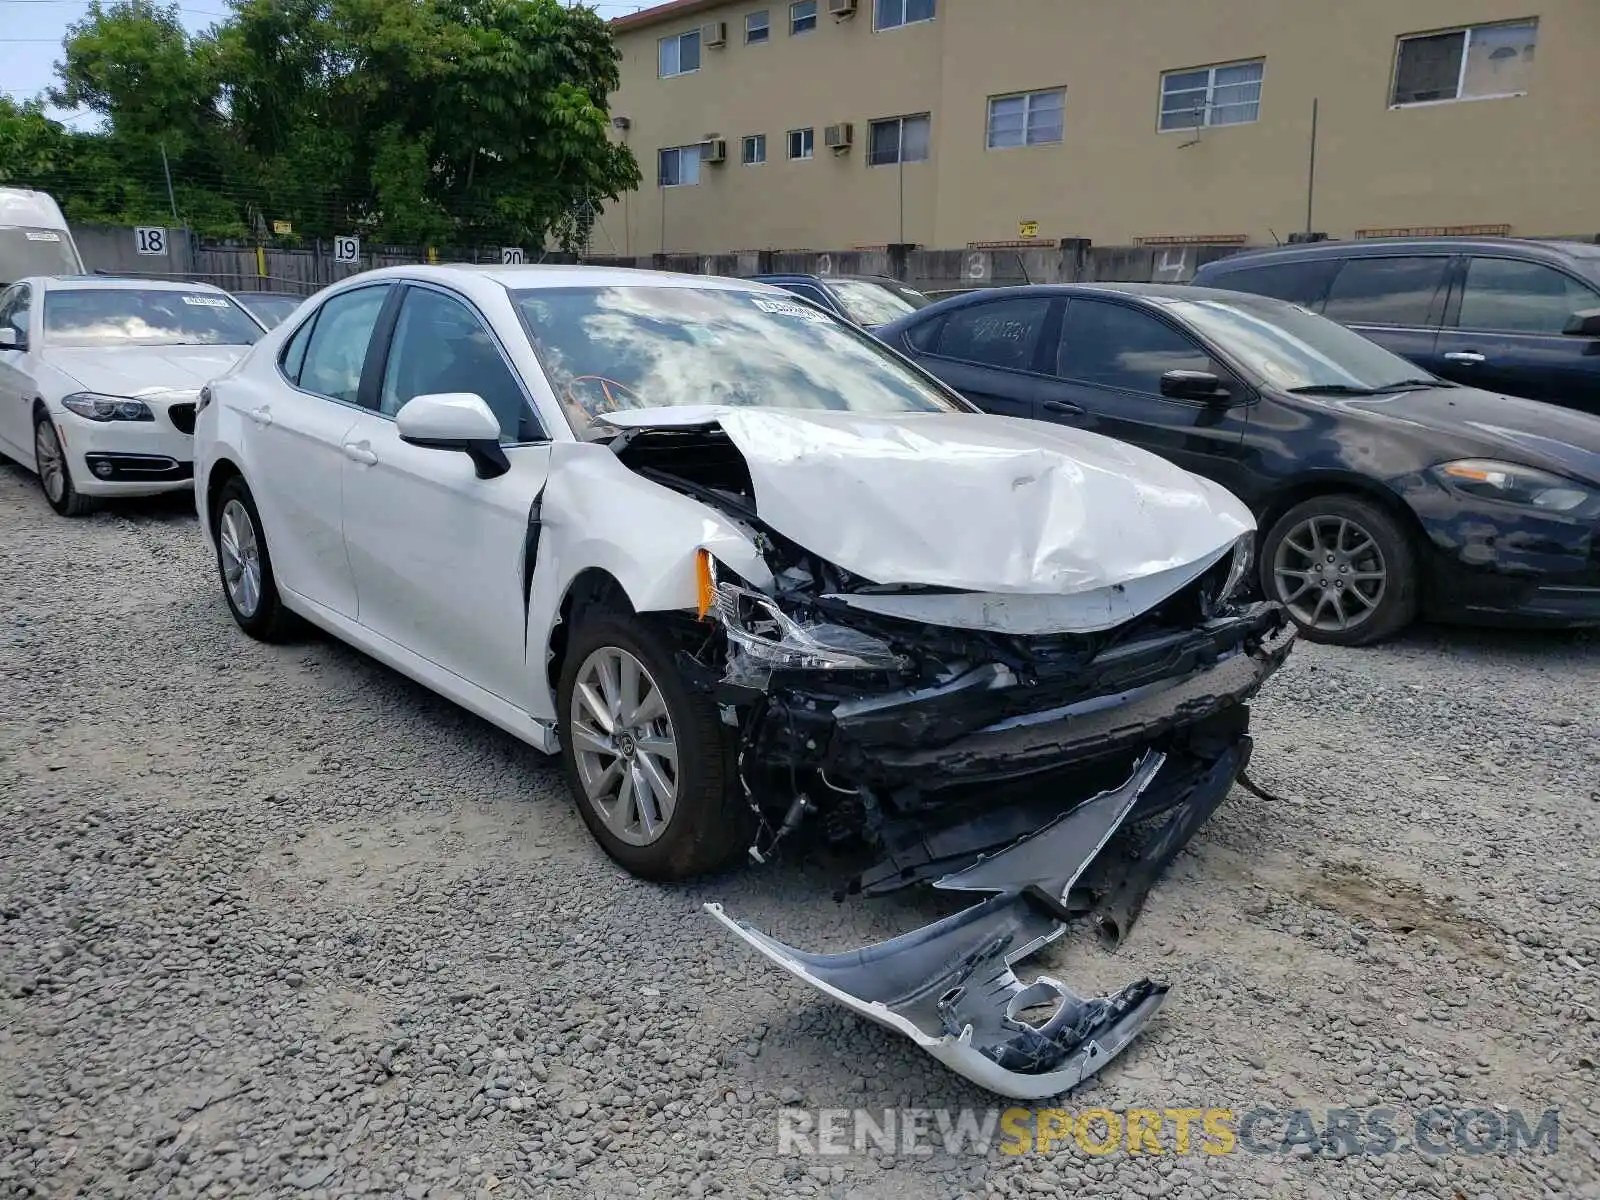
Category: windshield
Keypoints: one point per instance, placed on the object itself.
(1290, 348)
(25, 252)
(137, 317)
(611, 348)
(271, 309)
(871, 304)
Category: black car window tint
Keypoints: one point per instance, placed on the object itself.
(1303, 283)
(1521, 297)
(1000, 333)
(1397, 290)
(1116, 346)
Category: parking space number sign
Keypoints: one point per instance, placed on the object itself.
(511, 256)
(150, 239)
(346, 249)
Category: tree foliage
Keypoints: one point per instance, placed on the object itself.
(408, 121)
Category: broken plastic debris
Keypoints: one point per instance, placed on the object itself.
(950, 986)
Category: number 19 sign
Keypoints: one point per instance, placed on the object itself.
(347, 250)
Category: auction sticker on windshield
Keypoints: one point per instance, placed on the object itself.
(785, 308)
(205, 301)
(43, 237)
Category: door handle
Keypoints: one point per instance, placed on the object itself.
(261, 416)
(1469, 358)
(1062, 407)
(358, 452)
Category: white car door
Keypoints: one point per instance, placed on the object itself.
(441, 558)
(295, 436)
(16, 379)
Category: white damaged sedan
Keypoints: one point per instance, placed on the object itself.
(747, 570)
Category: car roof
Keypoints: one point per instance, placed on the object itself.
(540, 275)
(1546, 250)
(70, 283)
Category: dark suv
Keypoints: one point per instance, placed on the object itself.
(1519, 317)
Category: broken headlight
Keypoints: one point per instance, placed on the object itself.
(1214, 598)
(773, 640)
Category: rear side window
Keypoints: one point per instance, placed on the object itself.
(338, 345)
(1520, 297)
(1001, 333)
(1303, 283)
(1396, 290)
(294, 354)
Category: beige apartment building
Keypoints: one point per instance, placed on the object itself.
(832, 124)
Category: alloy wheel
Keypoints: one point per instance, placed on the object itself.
(1330, 573)
(241, 557)
(624, 746)
(50, 460)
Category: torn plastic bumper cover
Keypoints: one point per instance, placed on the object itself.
(950, 987)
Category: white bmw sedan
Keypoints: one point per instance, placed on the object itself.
(99, 378)
(740, 564)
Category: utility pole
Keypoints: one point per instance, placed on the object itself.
(1311, 172)
(167, 171)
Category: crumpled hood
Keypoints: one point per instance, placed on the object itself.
(144, 372)
(976, 503)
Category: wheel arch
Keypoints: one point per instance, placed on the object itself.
(217, 478)
(1357, 486)
(594, 589)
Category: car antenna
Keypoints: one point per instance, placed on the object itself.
(1276, 241)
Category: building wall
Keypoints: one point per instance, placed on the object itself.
(1527, 161)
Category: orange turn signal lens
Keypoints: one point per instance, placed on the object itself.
(705, 583)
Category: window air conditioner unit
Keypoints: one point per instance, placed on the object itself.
(714, 150)
(715, 33)
(842, 8)
(839, 137)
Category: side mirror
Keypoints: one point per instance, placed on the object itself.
(1584, 324)
(1194, 385)
(455, 421)
(10, 339)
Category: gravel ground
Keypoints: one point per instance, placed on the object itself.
(277, 921)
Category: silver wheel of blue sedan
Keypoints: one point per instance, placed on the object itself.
(624, 747)
(1330, 573)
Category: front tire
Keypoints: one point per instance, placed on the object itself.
(1343, 568)
(55, 477)
(245, 567)
(645, 755)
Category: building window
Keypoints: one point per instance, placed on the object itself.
(898, 140)
(755, 150)
(891, 14)
(680, 54)
(1225, 95)
(802, 143)
(1464, 64)
(680, 166)
(802, 17)
(757, 28)
(1031, 119)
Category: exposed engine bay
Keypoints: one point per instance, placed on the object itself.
(1007, 742)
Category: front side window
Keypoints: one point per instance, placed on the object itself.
(680, 166)
(757, 27)
(1031, 119)
(440, 345)
(802, 17)
(1475, 63)
(1114, 346)
(998, 333)
(802, 143)
(754, 150)
(898, 140)
(679, 54)
(1225, 95)
(1521, 297)
(140, 317)
(890, 14)
(1397, 290)
(606, 349)
(338, 343)
(1290, 348)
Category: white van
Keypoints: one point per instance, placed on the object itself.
(34, 238)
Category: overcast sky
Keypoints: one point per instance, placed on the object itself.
(31, 33)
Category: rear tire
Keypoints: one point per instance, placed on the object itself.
(1343, 568)
(55, 477)
(244, 566)
(647, 757)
